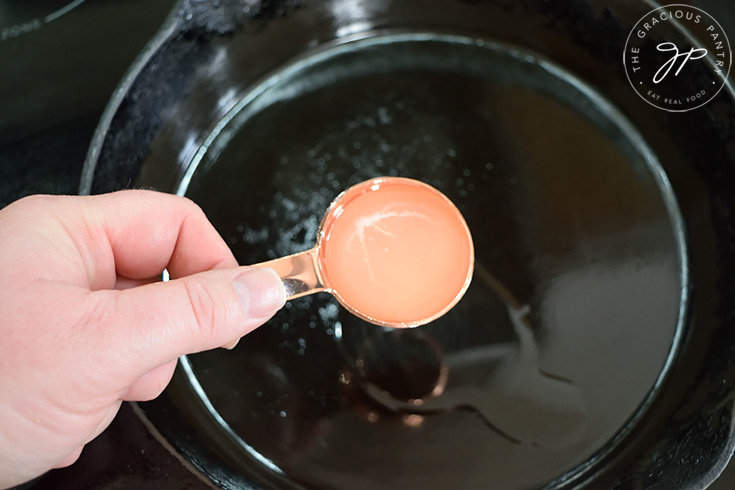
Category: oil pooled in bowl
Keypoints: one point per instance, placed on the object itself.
(408, 372)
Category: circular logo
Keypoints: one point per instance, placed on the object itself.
(677, 57)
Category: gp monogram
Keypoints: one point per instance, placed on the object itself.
(677, 58)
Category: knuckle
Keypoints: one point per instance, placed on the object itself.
(161, 381)
(153, 390)
(100, 309)
(99, 313)
(204, 307)
(33, 203)
(38, 199)
(194, 210)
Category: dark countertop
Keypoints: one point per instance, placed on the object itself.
(57, 80)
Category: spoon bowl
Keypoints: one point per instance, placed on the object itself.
(394, 251)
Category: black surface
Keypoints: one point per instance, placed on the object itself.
(688, 439)
(55, 84)
(125, 456)
(51, 97)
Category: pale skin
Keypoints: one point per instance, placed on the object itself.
(86, 323)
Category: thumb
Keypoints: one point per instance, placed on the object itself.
(159, 322)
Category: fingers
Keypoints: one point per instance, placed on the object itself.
(151, 384)
(127, 283)
(71, 458)
(156, 323)
(128, 237)
(104, 421)
(147, 232)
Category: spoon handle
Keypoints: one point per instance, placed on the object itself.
(299, 272)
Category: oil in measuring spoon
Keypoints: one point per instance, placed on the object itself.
(397, 251)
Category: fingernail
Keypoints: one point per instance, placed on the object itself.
(231, 345)
(260, 291)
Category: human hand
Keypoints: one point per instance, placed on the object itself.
(85, 322)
